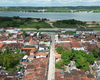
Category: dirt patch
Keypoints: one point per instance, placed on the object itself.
(93, 23)
(91, 26)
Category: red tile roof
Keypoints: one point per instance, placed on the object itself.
(1, 44)
(33, 42)
(2, 38)
(72, 40)
(73, 75)
(32, 51)
(40, 60)
(38, 73)
(57, 56)
(75, 44)
(65, 46)
(98, 44)
(84, 44)
(41, 53)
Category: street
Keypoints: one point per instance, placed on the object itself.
(51, 70)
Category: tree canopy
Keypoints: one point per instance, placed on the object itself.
(37, 27)
(95, 53)
(60, 64)
(81, 58)
(10, 59)
(59, 49)
(66, 56)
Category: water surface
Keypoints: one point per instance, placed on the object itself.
(55, 16)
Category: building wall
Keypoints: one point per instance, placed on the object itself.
(78, 48)
(40, 56)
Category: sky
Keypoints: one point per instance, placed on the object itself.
(49, 3)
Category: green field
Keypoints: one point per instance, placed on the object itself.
(71, 23)
(96, 29)
(34, 24)
(19, 22)
(64, 25)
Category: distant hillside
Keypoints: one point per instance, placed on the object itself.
(52, 9)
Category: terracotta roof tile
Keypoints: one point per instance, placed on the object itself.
(75, 44)
(84, 44)
(33, 42)
(41, 53)
(40, 74)
(57, 55)
(98, 44)
(2, 44)
(32, 51)
(2, 77)
(2, 38)
(65, 46)
(15, 45)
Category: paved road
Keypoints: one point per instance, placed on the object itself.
(51, 72)
(52, 29)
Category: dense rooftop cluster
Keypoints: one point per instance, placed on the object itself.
(73, 44)
(34, 62)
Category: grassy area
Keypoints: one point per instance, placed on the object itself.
(19, 22)
(10, 69)
(34, 24)
(96, 29)
(71, 23)
(70, 32)
(64, 25)
(40, 31)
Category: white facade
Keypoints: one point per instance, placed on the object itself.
(1, 29)
(40, 56)
(42, 49)
(15, 30)
(11, 31)
(46, 43)
(25, 57)
(83, 32)
(78, 48)
(8, 42)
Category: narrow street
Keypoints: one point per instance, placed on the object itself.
(51, 72)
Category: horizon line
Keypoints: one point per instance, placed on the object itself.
(49, 6)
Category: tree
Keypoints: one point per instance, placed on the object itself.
(93, 22)
(37, 27)
(66, 56)
(1, 52)
(95, 53)
(60, 64)
(24, 34)
(7, 51)
(86, 67)
(59, 49)
(9, 35)
(42, 36)
(90, 58)
(81, 58)
(99, 53)
(8, 60)
(1, 59)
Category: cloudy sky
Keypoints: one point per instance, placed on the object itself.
(49, 2)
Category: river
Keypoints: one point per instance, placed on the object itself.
(55, 16)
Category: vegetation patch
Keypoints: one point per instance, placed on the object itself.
(68, 23)
(81, 58)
